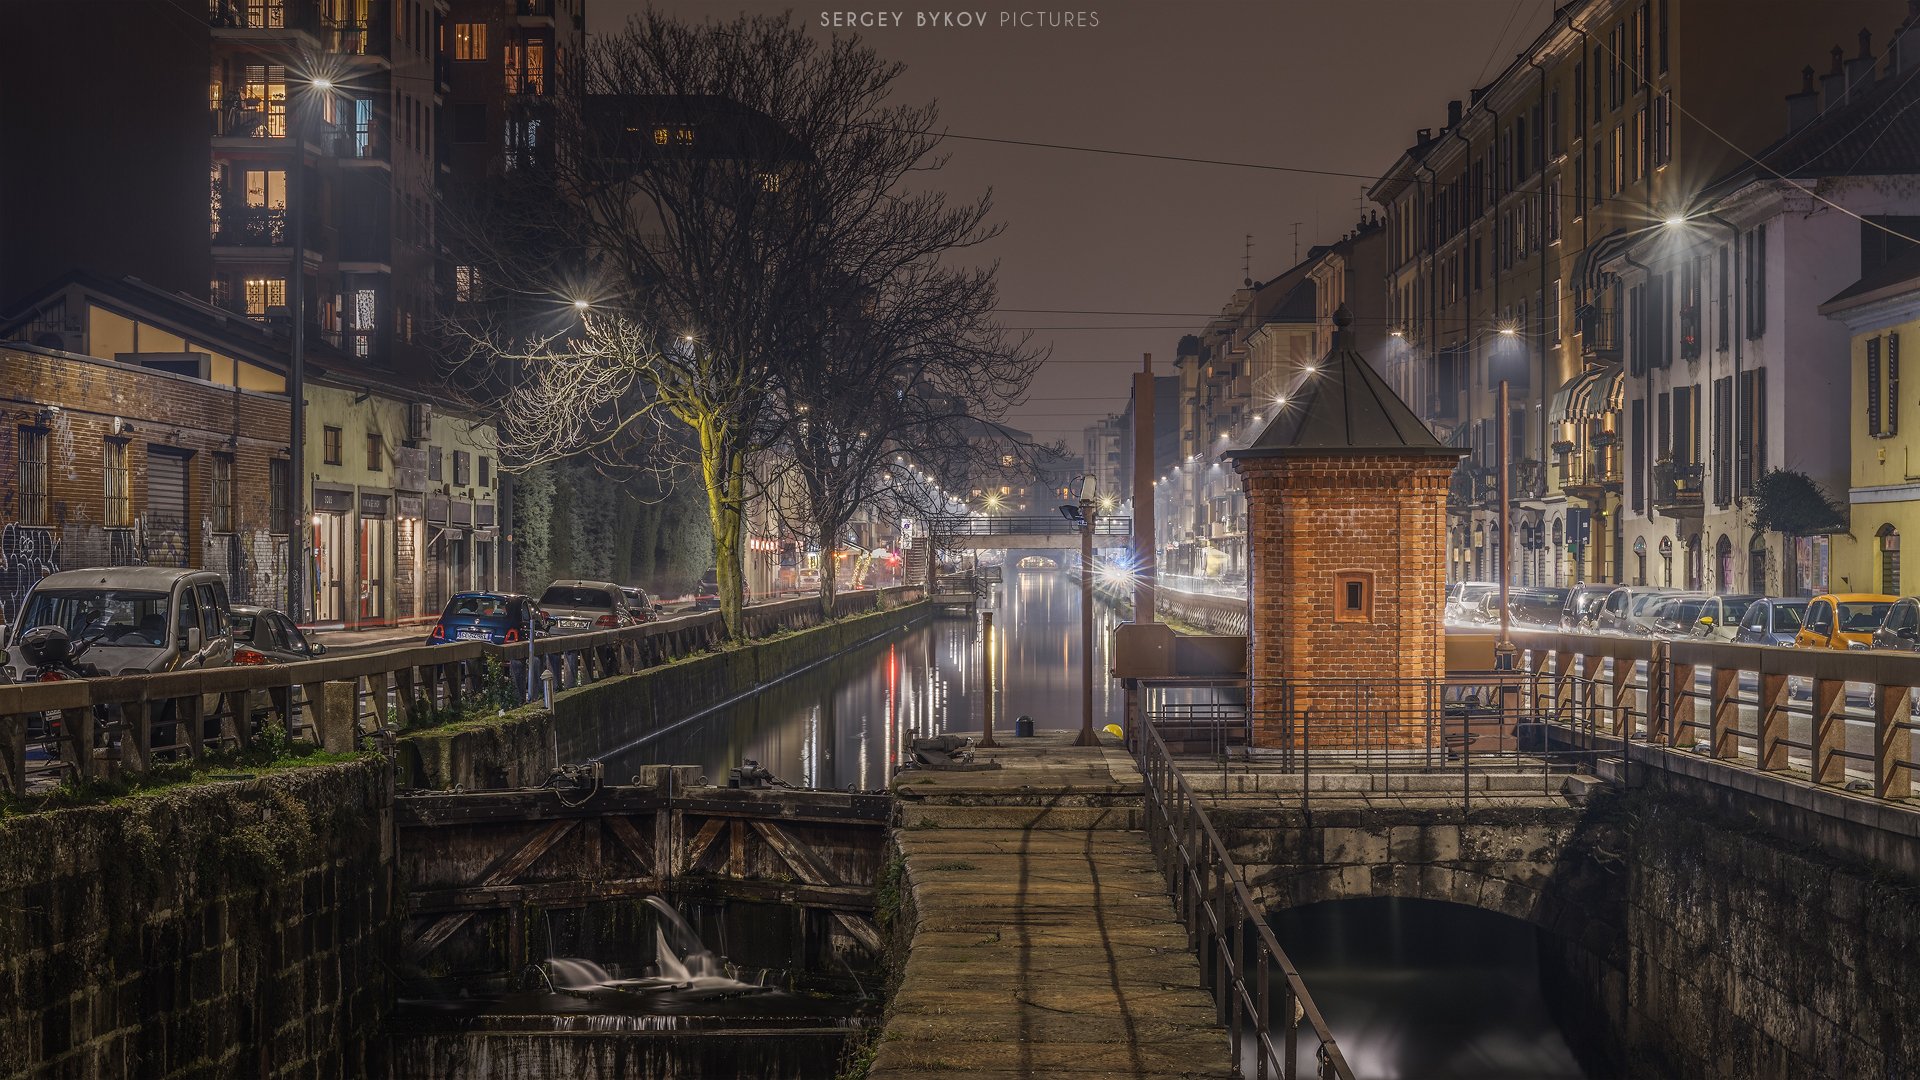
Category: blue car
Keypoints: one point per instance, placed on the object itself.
(502, 618)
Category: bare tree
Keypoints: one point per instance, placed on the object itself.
(725, 184)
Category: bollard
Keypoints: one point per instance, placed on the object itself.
(986, 662)
(546, 690)
(1023, 726)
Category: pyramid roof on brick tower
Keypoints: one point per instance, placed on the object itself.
(1344, 407)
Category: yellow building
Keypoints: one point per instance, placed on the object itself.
(1881, 311)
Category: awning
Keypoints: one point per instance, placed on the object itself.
(1600, 389)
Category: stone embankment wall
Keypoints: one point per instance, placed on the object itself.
(219, 929)
(1681, 936)
(523, 747)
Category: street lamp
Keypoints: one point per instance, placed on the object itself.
(1089, 506)
(297, 531)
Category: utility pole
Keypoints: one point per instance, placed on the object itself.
(297, 525)
(1146, 546)
(1089, 506)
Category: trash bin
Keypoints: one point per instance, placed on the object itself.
(1023, 727)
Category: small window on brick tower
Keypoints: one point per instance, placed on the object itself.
(1352, 596)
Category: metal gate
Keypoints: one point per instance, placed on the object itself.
(166, 521)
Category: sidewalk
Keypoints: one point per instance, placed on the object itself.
(1044, 943)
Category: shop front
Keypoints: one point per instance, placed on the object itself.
(333, 554)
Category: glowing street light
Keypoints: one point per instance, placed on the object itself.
(581, 303)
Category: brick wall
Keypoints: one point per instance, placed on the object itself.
(1308, 519)
(80, 403)
(231, 929)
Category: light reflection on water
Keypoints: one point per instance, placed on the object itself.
(1428, 990)
(844, 723)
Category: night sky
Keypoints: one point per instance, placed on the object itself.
(1338, 85)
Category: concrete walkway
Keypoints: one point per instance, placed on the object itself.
(1044, 943)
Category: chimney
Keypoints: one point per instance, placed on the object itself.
(1425, 135)
(1833, 85)
(1905, 50)
(1805, 105)
(1453, 113)
(1860, 68)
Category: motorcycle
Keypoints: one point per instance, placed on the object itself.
(52, 656)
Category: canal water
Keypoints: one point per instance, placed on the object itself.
(843, 724)
(1428, 990)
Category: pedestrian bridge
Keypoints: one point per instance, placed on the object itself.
(1038, 532)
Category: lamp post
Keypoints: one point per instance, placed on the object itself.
(298, 527)
(1089, 507)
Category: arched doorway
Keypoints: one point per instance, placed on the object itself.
(1694, 569)
(1666, 561)
(1559, 552)
(1757, 564)
(1723, 564)
(1888, 541)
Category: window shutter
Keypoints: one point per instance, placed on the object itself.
(1873, 387)
(1637, 418)
(1743, 449)
(1760, 422)
(1663, 429)
(1722, 441)
(1893, 384)
(1693, 424)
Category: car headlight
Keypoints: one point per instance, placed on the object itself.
(1858, 645)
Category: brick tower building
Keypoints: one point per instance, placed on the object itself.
(1346, 522)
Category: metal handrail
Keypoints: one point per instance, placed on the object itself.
(992, 525)
(1213, 901)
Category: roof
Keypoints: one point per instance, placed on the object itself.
(1345, 407)
(144, 578)
(1892, 278)
(1875, 132)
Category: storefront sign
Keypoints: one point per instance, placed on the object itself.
(462, 512)
(373, 506)
(410, 506)
(483, 514)
(437, 509)
(326, 501)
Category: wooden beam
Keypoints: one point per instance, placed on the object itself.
(1829, 731)
(804, 863)
(1773, 723)
(1723, 715)
(861, 931)
(1892, 741)
(702, 840)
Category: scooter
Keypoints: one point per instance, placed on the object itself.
(52, 656)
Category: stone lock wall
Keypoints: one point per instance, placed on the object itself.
(1308, 520)
(218, 929)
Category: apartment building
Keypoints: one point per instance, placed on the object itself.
(1878, 312)
(1731, 371)
(1500, 228)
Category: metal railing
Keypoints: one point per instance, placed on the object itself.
(1239, 956)
(1054, 524)
(90, 729)
(1212, 612)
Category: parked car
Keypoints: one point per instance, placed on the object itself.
(265, 636)
(1843, 620)
(1720, 617)
(1583, 605)
(1901, 628)
(133, 620)
(574, 607)
(643, 606)
(706, 596)
(1675, 616)
(1627, 608)
(807, 581)
(1536, 608)
(1464, 596)
(502, 618)
(1771, 620)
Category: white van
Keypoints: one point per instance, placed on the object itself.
(135, 620)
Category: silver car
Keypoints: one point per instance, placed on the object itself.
(576, 607)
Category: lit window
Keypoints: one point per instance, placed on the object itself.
(264, 295)
(466, 283)
(113, 466)
(769, 181)
(469, 41)
(263, 94)
(267, 189)
(662, 136)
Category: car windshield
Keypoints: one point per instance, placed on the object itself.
(1686, 612)
(113, 616)
(1586, 603)
(575, 596)
(242, 626)
(1786, 617)
(1648, 603)
(1732, 609)
(1473, 594)
(477, 607)
(1862, 618)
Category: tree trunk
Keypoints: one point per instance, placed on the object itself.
(724, 473)
(829, 574)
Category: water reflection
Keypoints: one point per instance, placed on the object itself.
(1415, 988)
(843, 724)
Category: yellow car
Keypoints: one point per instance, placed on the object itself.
(1842, 620)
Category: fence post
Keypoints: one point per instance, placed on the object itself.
(1724, 716)
(1773, 724)
(986, 664)
(1683, 711)
(1892, 708)
(1829, 731)
(1623, 692)
(336, 726)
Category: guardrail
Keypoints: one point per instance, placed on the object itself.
(1223, 924)
(1053, 524)
(87, 729)
(1212, 612)
(1844, 718)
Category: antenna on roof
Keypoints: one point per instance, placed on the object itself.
(1296, 243)
(1246, 263)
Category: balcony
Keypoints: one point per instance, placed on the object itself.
(250, 117)
(251, 226)
(1591, 474)
(1678, 487)
(1599, 333)
(534, 12)
(264, 20)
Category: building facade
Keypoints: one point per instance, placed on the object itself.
(1879, 313)
(1499, 230)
